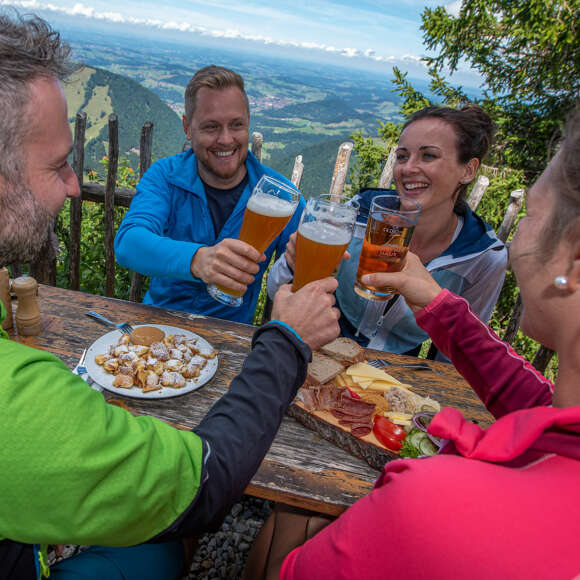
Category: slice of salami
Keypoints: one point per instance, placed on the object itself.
(360, 430)
(330, 396)
(355, 407)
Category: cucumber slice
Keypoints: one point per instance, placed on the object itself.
(427, 447)
(416, 436)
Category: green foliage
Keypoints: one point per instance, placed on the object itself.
(263, 296)
(528, 53)
(526, 50)
(495, 201)
(92, 252)
(369, 160)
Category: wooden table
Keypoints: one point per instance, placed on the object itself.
(301, 468)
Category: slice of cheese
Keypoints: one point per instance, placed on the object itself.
(363, 381)
(398, 415)
(386, 386)
(348, 380)
(365, 370)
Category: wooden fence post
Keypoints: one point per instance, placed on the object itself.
(542, 359)
(511, 213)
(110, 205)
(44, 269)
(257, 141)
(340, 169)
(477, 192)
(387, 174)
(514, 321)
(297, 171)
(514, 206)
(74, 254)
(145, 149)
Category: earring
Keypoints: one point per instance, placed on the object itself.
(561, 282)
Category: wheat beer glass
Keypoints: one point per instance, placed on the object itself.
(392, 219)
(324, 233)
(269, 209)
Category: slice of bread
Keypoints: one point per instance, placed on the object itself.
(322, 369)
(344, 350)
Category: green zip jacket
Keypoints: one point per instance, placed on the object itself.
(78, 471)
(75, 470)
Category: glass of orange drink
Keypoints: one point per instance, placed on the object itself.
(268, 211)
(324, 233)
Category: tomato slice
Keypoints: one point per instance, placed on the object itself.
(388, 434)
(388, 428)
(389, 442)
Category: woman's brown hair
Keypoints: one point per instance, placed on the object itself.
(565, 173)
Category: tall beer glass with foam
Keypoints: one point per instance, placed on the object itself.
(324, 232)
(392, 219)
(269, 209)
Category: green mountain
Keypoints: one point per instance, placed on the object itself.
(99, 93)
(330, 111)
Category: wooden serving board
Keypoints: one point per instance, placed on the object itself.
(327, 426)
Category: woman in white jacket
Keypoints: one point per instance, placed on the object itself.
(438, 155)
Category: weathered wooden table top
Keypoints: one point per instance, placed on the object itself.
(301, 468)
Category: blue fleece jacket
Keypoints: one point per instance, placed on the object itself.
(169, 220)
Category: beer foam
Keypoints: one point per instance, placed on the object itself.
(325, 233)
(271, 206)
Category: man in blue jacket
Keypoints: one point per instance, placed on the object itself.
(184, 221)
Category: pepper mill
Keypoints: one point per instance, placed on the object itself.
(5, 298)
(27, 312)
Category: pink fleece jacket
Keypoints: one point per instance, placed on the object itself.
(498, 503)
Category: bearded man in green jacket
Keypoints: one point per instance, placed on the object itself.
(78, 471)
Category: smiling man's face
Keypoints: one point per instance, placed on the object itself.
(219, 133)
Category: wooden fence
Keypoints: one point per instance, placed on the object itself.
(110, 195)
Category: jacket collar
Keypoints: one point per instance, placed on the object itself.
(184, 174)
(476, 236)
(538, 430)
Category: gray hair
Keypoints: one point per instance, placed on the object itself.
(212, 77)
(29, 49)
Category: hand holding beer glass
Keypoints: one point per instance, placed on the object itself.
(268, 211)
(392, 219)
(324, 233)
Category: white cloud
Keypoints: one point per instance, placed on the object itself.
(80, 9)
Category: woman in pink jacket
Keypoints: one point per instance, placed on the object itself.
(503, 502)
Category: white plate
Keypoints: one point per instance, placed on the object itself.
(105, 379)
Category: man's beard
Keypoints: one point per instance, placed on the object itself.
(25, 226)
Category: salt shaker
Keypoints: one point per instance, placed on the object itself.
(5, 298)
(27, 312)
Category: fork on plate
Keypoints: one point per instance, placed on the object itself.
(81, 369)
(123, 326)
(380, 364)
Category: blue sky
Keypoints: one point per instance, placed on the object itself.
(383, 33)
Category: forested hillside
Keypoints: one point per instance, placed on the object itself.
(99, 93)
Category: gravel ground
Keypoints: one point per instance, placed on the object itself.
(222, 555)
